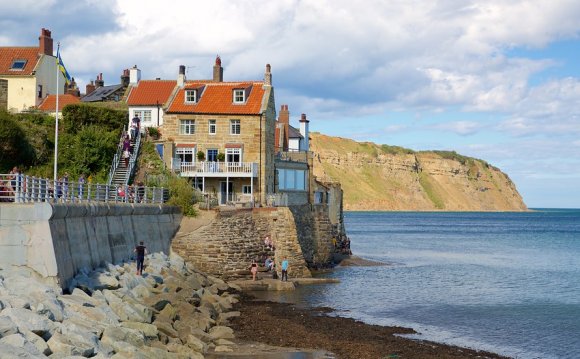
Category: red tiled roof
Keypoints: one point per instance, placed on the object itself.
(9, 54)
(49, 102)
(151, 92)
(217, 98)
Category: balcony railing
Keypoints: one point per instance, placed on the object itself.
(218, 169)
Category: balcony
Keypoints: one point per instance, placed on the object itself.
(216, 169)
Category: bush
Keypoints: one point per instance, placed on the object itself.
(182, 195)
(15, 150)
(75, 117)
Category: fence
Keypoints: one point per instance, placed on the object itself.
(21, 188)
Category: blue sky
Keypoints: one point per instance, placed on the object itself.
(497, 80)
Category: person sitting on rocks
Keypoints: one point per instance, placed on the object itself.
(269, 264)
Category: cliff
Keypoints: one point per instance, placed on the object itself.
(381, 177)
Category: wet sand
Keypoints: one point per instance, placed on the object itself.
(285, 325)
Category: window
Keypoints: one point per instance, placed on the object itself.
(239, 96)
(18, 65)
(212, 155)
(291, 180)
(233, 155)
(212, 127)
(190, 96)
(144, 115)
(187, 127)
(185, 154)
(39, 91)
(246, 189)
(235, 127)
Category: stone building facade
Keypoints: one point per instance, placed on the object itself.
(221, 135)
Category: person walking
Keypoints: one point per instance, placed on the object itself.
(284, 277)
(141, 251)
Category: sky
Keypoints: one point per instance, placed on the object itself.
(497, 80)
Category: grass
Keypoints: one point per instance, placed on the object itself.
(430, 191)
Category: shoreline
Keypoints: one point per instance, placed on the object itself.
(313, 329)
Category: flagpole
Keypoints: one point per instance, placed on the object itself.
(56, 125)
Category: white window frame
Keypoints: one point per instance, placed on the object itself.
(212, 127)
(144, 115)
(181, 152)
(190, 96)
(246, 189)
(291, 180)
(235, 127)
(233, 152)
(187, 127)
(239, 96)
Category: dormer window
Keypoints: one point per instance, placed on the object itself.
(239, 96)
(18, 65)
(190, 96)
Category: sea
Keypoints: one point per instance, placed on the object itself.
(508, 283)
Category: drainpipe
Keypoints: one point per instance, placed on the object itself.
(157, 102)
(260, 161)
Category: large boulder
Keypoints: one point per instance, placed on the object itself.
(27, 320)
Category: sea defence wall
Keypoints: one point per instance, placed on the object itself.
(226, 246)
(56, 240)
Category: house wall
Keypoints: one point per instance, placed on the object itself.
(154, 115)
(3, 94)
(23, 90)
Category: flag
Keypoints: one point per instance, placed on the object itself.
(61, 67)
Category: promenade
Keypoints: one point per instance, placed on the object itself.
(19, 188)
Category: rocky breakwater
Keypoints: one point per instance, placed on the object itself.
(172, 311)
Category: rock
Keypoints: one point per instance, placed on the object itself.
(117, 337)
(221, 332)
(7, 327)
(223, 342)
(28, 320)
(196, 344)
(223, 349)
(37, 341)
(141, 291)
(224, 318)
(168, 313)
(64, 345)
(166, 329)
(8, 351)
(19, 341)
(149, 330)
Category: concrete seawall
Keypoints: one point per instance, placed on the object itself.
(57, 240)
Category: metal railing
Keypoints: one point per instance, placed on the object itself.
(219, 168)
(22, 189)
(119, 156)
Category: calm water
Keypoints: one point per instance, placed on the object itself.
(503, 282)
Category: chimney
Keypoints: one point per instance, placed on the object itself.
(304, 131)
(72, 88)
(284, 119)
(181, 76)
(45, 42)
(218, 70)
(90, 88)
(99, 82)
(134, 75)
(268, 76)
(125, 78)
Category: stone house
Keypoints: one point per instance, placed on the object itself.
(221, 136)
(28, 74)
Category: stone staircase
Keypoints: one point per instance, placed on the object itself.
(119, 173)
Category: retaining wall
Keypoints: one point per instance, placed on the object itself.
(57, 240)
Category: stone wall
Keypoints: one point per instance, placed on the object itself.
(227, 245)
(57, 240)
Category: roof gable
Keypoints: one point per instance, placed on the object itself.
(217, 98)
(151, 92)
(9, 54)
(49, 102)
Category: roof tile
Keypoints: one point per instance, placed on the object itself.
(151, 92)
(49, 102)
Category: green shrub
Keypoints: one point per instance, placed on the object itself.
(182, 195)
(75, 117)
(15, 150)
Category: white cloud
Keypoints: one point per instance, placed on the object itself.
(463, 128)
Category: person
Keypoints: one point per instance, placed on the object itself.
(126, 156)
(127, 144)
(254, 269)
(140, 191)
(284, 270)
(81, 186)
(135, 126)
(268, 263)
(141, 252)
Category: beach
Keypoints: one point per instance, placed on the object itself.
(286, 325)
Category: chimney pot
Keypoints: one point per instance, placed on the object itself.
(218, 70)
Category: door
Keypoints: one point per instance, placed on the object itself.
(226, 192)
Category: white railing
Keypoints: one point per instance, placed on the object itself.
(219, 169)
(21, 189)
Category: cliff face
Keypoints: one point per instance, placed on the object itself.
(376, 177)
